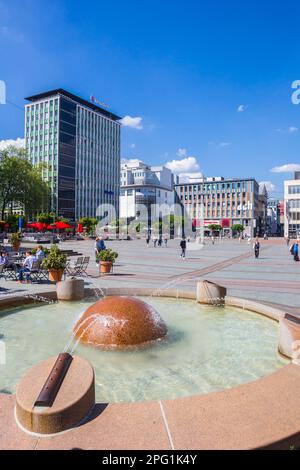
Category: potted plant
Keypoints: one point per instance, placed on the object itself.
(107, 258)
(55, 263)
(15, 241)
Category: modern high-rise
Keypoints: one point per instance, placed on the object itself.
(222, 202)
(79, 144)
(292, 207)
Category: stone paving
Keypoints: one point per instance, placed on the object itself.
(273, 278)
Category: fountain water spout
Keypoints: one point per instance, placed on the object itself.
(54, 381)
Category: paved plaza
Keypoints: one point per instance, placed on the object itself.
(273, 278)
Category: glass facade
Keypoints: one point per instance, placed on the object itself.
(80, 151)
(218, 201)
(41, 137)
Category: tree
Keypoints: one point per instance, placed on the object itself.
(237, 228)
(88, 223)
(21, 183)
(46, 217)
(214, 227)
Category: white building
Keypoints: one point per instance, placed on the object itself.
(144, 185)
(292, 207)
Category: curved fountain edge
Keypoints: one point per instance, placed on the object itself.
(260, 414)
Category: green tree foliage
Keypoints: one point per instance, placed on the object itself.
(237, 228)
(215, 227)
(21, 183)
(46, 217)
(88, 223)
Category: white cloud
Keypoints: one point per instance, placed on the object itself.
(181, 152)
(185, 165)
(186, 168)
(20, 143)
(220, 144)
(134, 122)
(242, 108)
(288, 168)
(224, 144)
(291, 129)
(270, 187)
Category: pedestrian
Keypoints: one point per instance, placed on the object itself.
(40, 254)
(166, 241)
(288, 242)
(183, 247)
(154, 242)
(295, 250)
(213, 240)
(99, 246)
(256, 248)
(148, 241)
(160, 241)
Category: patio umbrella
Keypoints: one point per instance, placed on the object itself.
(51, 227)
(80, 228)
(62, 225)
(40, 226)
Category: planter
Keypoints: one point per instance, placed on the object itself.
(55, 275)
(71, 289)
(105, 267)
(16, 246)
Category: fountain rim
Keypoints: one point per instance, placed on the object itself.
(233, 395)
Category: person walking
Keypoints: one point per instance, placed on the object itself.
(295, 251)
(99, 246)
(288, 242)
(256, 247)
(148, 241)
(183, 247)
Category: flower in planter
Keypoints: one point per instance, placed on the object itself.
(15, 238)
(107, 255)
(55, 260)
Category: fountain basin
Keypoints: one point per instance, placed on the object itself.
(207, 349)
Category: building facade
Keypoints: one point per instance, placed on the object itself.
(144, 185)
(222, 202)
(292, 207)
(78, 144)
(273, 218)
(262, 211)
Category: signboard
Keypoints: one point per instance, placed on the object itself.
(225, 223)
(93, 100)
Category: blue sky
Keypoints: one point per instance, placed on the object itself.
(182, 67)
